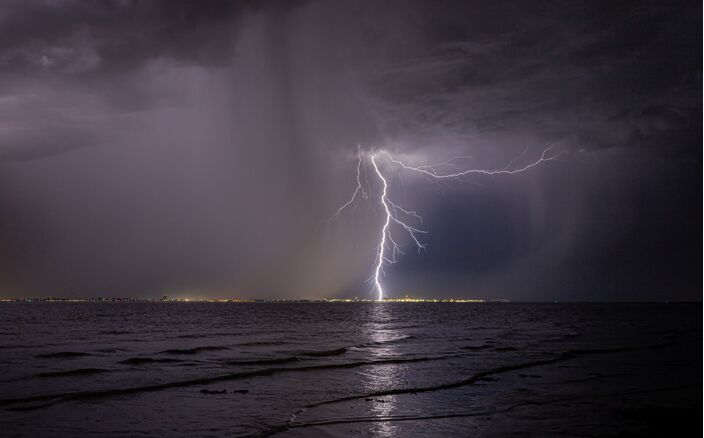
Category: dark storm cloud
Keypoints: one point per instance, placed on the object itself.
(91, 49)
(73, 37)
(195, 147)
(593, 76)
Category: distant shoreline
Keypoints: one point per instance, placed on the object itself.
(319, 301)
(224, 300)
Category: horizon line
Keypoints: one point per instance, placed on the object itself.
(323, 300)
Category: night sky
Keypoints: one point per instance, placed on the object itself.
(196, 148)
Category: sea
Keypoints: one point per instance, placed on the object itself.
(177, 369)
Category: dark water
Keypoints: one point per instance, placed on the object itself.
(372, 369)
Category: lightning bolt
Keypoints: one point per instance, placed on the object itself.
(359, 189)
(391, 210)
(432, 172)
(381, 249)
(388, 250)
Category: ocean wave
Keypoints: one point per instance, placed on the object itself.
(73, 373)
(483, 375)
(288, 359)
(194, 350)
(260, 343)
(63, 355)
(42, 401)
(324, 353)
(477, 347)
(147, 360)
(112, 350)
(278, 360)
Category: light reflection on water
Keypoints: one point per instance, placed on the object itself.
(380, 333)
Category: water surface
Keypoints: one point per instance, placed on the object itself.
(352, 369)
